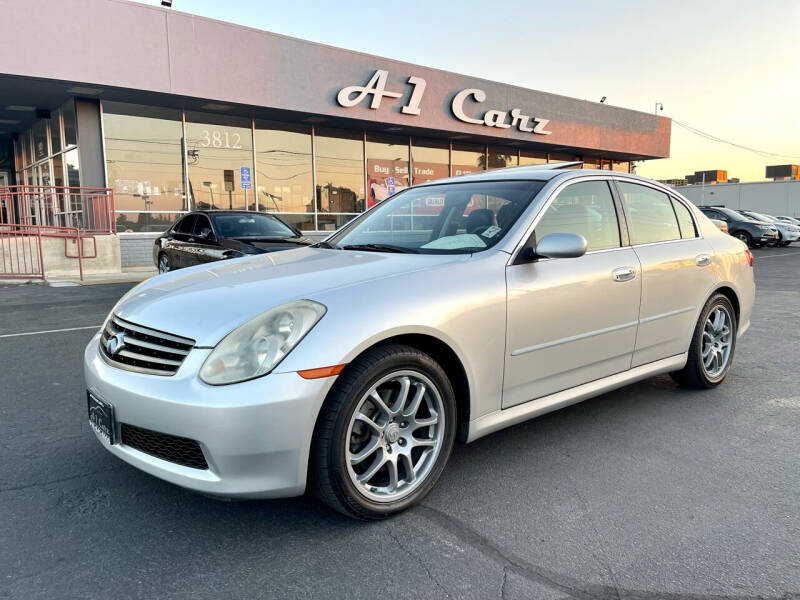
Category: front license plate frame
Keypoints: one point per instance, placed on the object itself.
(101, 418)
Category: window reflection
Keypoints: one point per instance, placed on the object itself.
(284, 169)
(303, 222)
(70, 125)
(339, 157)
(333, 222)
(557, 158)
(532, 157)
(468, 158)
(501, 157)
(40, 147)
(591, 163)
(217, 148)
(143, 157)
(430, 160)
(387, 167)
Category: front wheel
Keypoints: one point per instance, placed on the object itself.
(745, 237)
(164, 265)
(384, 434)
(712, 346)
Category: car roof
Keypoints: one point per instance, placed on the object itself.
(544, 172)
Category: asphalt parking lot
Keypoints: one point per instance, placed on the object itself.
(650, 491)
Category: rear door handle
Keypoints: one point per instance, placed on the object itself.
(623, 274)
(702, 260)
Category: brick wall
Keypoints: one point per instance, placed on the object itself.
(136, 250)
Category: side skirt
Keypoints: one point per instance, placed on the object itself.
(501, 419)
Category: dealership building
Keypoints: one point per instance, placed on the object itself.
(175, 112)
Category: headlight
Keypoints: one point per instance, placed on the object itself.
(766, 227)
(258, 346)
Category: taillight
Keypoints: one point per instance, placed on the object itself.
(749, 256)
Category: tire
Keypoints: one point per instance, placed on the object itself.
(697, 374)
(341, 448)
(164, 265)
(784, 244)
(745, 237)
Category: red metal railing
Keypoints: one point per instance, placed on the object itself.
(90, 210)
(21, 255)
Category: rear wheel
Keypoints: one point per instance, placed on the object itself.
(712, 346)
(164, 265)
(384, 433)
(745, 237)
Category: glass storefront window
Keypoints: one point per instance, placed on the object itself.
(467, 158)
(217, 148)
(57, 173)
(557, 158)
(500, 157)
(143, 158)
(73, 168)
(70, 123)
(387, 166)
(339, 157)
(303, 222)
(284, 168)
(532, 157)
(40, 147)
(55, 131)
(591, 163)
(129, 222)
(334, 222)
(430, 160)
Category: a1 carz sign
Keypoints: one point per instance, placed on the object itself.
(375, 89)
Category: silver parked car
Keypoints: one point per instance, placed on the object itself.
(453, 309)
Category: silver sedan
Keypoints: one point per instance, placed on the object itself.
(451, 310)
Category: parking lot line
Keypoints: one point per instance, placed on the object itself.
(10, 335)
(760, 256)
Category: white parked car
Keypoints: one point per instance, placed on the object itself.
(453, 309)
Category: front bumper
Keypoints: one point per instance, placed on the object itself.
(255, 435)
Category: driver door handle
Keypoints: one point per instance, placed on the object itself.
(624, 274)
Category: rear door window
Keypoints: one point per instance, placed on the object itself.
(650, 215)
(685, 221)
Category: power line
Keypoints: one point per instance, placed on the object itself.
(714, 138)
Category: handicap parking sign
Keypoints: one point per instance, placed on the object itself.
(245, 178)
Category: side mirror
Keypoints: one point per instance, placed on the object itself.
(561, 245)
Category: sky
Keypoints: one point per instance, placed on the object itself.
(726, 67)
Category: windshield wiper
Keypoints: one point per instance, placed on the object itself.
(380, 248)
(325, 244)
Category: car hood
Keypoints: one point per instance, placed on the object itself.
(257, 246)
(206, 303)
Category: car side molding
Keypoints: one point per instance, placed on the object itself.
(500, 419)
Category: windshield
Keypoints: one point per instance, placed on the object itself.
(760, 217)
(453, 218)
(732, 214)
(241, 225)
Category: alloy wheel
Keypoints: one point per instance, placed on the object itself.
(717, 341)
(163, 264)
(395, 435)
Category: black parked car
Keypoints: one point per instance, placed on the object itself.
(206, 236)
(753, 233)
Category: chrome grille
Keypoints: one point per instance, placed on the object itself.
(137, 348)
